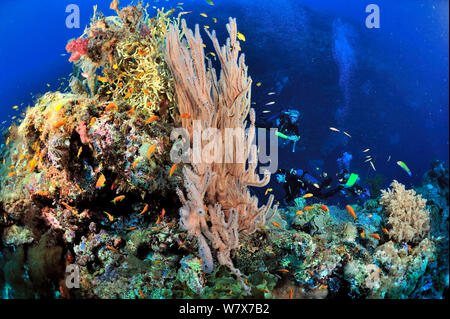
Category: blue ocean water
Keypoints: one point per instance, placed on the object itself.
(388, 87)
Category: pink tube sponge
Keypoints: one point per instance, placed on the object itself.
(78, 47)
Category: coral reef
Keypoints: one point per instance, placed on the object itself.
(87, 181)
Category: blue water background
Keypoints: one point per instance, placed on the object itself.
(386, 87)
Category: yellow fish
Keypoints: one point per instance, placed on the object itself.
(366, 150)
(308, 195)
(79, 152)
(334, 129)
(15, 107)
(204, 15)
(373, 166)
(268, 190)
(93, 120)
(241, 36)
(258, 84)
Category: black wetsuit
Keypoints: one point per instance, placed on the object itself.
(287, 127)
(299, 181)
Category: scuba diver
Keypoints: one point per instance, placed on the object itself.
(299, 182)
(348, 181)
(287, 123)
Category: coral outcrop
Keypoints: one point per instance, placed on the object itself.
(407, 216)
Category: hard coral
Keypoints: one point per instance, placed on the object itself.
(406, 213)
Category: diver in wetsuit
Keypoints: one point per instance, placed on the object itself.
(349, 181)
(348, 185)
(287, 123)
(298, 182)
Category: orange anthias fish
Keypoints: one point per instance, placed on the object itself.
(144, 210)
(132, 110)
(324, 208)
(132, 228)
(172, 170)
(308, 195)
(59, 124)
(110, 217)
(32, 164)
(283, 270)
(130, 92)
(363, 234)
(158, 220)
(152, 119)
(276, 224)
(351, 211)
(376, 236)
(306, 208)
(299, 213)
(151, 150)
(291, 294)
(385, 231)
(111, 106)
(185, 116)
(114, 5)
(118, 199)
(101, 181)
(135, 163)
(11, 174)
(112, 249)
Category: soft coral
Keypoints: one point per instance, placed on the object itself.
(78, 48)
